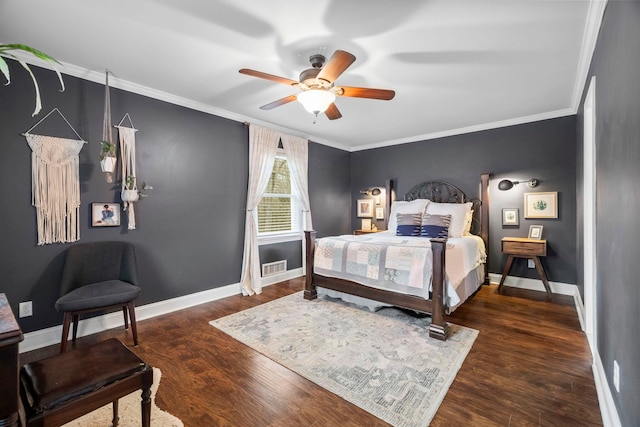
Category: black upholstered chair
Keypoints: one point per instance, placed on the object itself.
(96, 277)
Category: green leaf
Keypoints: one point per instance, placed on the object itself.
(5, 51)
(5, 70)
(35, 84)
(29, 49)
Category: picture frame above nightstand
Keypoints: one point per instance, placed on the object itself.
(510, 216)
(365, 208)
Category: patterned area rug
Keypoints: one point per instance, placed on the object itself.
(129, 411)
(383, 362)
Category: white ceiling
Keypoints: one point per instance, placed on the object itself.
(456, 65)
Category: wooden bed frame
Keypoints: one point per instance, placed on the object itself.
(440, 192)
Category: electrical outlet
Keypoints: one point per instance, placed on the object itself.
(26, 309)
(530, 263)
(616, 376)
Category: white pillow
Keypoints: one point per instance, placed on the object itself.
(458, 212)
(467, 225)
(416, 206)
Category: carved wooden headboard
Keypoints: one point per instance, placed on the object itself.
(443, 192)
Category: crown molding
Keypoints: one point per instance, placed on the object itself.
(469, 129)
(589, 41)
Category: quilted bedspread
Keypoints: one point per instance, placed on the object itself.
(402, 265)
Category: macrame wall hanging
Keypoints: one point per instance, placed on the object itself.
(55, 184)
(108, 147)
(130, 194)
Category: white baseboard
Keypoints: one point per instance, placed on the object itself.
(605, 399)
(49, 336)
(535, 284)
(580, 310)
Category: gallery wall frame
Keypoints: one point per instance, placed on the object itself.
(105, 214)
(510, 216)
(365, 208)
(541, 205)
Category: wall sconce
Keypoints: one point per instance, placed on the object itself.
(506, 184)
(373, 191)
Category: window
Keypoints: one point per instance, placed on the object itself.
(279, 210)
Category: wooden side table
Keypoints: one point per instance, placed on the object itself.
(10, 337)
(359, 232)
(518, 247)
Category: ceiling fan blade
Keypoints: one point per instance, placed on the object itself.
(332, 112)
(279, 102)
(364, 92)
(266, 76)
(339, 61)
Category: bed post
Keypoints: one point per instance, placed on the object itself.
(439, 328)
(391, 196)
(484, 221)
(310, 291)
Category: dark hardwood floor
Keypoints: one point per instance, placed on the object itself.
(530, 366)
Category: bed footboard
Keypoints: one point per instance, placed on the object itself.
(438, 329)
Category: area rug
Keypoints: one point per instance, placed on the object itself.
(383, 362)
(129, 411)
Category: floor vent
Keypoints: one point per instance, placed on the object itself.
(271, 268)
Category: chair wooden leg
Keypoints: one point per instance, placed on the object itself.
(65, 332)
(126, 317)
(76, 320)
(116, 419)
(132, 316)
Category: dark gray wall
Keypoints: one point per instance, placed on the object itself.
(545, 150)
(190, 229)
(329, 175)
(615, 64)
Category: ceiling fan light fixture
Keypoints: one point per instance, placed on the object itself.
(316, 101)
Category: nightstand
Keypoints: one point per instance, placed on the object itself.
(359, 232)
(519, 247)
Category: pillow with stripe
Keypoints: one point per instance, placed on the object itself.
(408, 224)
(435, 226)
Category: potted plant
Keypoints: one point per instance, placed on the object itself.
(129, 193)
(108, 156)
(7, 51)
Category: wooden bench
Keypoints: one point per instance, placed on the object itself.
(61, 388)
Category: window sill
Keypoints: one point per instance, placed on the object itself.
(270, 239)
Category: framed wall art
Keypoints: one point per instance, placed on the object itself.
(535, 232)
(379, 213)
(541, 205)
(105, 214)
(510, 216)
(365, 208)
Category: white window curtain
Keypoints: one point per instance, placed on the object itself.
(263, 146)
(297, 151)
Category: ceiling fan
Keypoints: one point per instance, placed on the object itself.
(318, 91)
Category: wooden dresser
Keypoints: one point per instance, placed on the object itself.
(10, 337)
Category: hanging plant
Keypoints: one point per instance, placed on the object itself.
(108, 151)
(107, 156)
(6, 51)
(129, 192)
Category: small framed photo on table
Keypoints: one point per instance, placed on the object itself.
(366, 225)
(535, 232)
(105, 214)
(510, 216)
(365, 208)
